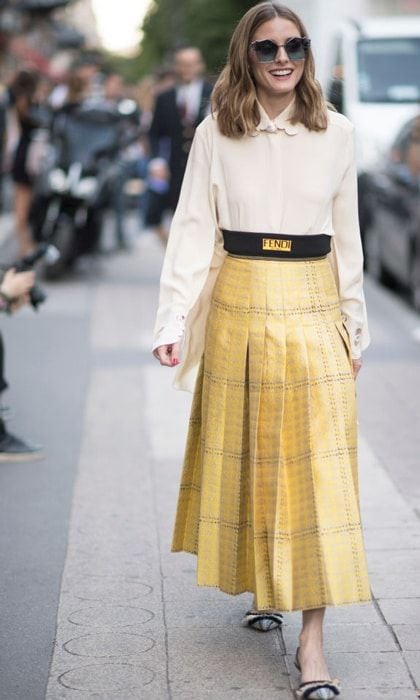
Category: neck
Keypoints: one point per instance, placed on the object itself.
(188, 82)
(274, 104)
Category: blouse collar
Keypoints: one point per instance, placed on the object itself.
(281, 121)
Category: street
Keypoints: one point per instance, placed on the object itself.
(93, 604)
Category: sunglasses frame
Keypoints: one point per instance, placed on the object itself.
(306, 43)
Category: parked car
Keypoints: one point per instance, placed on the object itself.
(375, 82)
(392, 239)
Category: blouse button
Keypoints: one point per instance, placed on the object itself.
(271, 128)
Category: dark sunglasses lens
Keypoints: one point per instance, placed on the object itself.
(265, 50)
(295, 49)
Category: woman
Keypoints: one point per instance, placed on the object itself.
(22, 92)
(269, 492)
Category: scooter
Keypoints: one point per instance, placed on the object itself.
(71, 193)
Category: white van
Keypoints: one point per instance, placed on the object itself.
(376, 79)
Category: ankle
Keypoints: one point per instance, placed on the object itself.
(311, 638)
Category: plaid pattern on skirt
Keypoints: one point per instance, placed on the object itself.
(269, 492)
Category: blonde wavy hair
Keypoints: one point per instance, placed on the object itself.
(234, 97)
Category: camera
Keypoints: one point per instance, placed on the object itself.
(37, 295)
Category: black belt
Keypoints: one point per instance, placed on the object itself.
(276, 245)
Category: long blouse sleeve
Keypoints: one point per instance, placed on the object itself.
(347, 255)
(190, 245)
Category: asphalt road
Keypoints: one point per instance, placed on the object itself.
(50, 357)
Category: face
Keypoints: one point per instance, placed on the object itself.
(281, 76)
(114, 87)
(188, 65)
(413, 158)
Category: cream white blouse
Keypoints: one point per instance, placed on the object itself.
(281, 179)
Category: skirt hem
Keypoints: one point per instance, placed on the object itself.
(321, 604)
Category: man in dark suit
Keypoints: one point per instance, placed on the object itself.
(178, 112)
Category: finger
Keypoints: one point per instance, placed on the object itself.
(16, 305)
(28, 278)
(164, 355)
(356, 367)
(175, 354)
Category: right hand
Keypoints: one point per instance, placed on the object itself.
(168, 355)
(17, 284)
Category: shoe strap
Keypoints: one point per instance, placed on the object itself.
(276, 617)
(312, 686)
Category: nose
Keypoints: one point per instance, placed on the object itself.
(281, 55)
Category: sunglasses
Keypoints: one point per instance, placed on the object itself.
(295, 47)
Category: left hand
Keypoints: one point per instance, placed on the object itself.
(17, 284)
(356, 366)
(19, 302)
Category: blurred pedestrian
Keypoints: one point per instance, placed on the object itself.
(77, 90)
(145, 98)
(269, 495)
(178, 112)
(114, 93)
(86, 70)
(114, 88)
(165, 79)
(155, 201)
(22, 101)
(14, 293)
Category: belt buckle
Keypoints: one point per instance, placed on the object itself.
(281, 245)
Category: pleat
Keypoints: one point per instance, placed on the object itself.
(258, 513)
(224, 514)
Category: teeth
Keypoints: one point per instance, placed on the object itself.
(281, 72)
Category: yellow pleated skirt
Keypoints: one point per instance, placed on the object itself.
(269, 497)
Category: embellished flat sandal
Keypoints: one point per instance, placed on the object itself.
(262, 621)
(316, 690)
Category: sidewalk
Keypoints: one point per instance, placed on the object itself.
(131, 622)
(8, 246)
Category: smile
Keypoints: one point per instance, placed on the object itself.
(281, 73)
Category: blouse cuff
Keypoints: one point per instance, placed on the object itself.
(357, 336)
(173, 332)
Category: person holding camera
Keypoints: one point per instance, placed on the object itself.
(15, 291)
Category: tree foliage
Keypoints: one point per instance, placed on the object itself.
(168, 24)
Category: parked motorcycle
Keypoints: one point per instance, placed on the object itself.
(72, 191)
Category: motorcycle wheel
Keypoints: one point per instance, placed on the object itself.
(63, 240)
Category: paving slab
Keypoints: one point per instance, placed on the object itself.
(391, 584)
(365, 670)
(218, 612)
(225, 659)
(342, 614)
(408, 636)
(405, 561)
(351, 637)
(234, 694)
(379, 693)
(400, 611)
(413, 660)
(393, 538)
